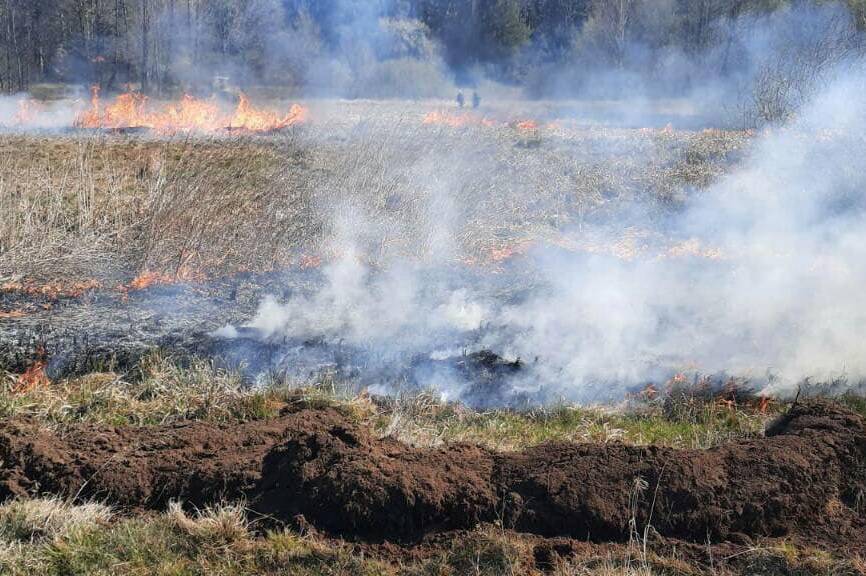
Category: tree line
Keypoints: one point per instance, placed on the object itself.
(164, 45)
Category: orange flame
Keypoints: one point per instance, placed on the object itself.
(32, 378)
(189, 114)
(92, 117)
(51, 291)
(457, 120)
(149, 278)
(518, 248)
(246, 117)
(443, 118)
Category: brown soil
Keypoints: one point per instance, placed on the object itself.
(806, 479)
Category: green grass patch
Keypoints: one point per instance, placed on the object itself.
(55, 538)
(423, 421)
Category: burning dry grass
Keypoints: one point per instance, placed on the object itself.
(133, 111)
(80, 207)
(161, 210)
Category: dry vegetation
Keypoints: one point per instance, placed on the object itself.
(83, 206)
(221, 541)
(165, 392)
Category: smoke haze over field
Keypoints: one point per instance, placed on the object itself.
(773, 292)
(784, 302)
(757, 275)
(19, 112)
(730, 54)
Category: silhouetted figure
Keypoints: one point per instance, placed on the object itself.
(476, 100)
(460, 99)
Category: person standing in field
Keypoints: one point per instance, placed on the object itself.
(460, 99)
(476, 100)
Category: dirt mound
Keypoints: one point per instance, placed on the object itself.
(807, 478)
(809, 473)
(347, 482)
(135, 467)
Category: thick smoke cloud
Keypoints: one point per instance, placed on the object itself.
(20, 112)
(783, 302)
(780, 301)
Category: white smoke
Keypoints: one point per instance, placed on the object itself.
(20, 112)
(783, 302)
(374, 305)
(363, 308)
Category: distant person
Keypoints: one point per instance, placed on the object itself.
(476, 100)
(460, 99)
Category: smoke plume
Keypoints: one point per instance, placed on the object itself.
(758, 277)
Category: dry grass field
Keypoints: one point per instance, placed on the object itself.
(88, 205)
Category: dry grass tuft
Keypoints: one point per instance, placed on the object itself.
(164, 391)
(225, 523)
(48, 519)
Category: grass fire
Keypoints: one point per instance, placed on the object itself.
(133, 110)
(422, 288)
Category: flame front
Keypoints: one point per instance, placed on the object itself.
(189, 114)
(247, 117)
(457, 120)
(464, 119)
